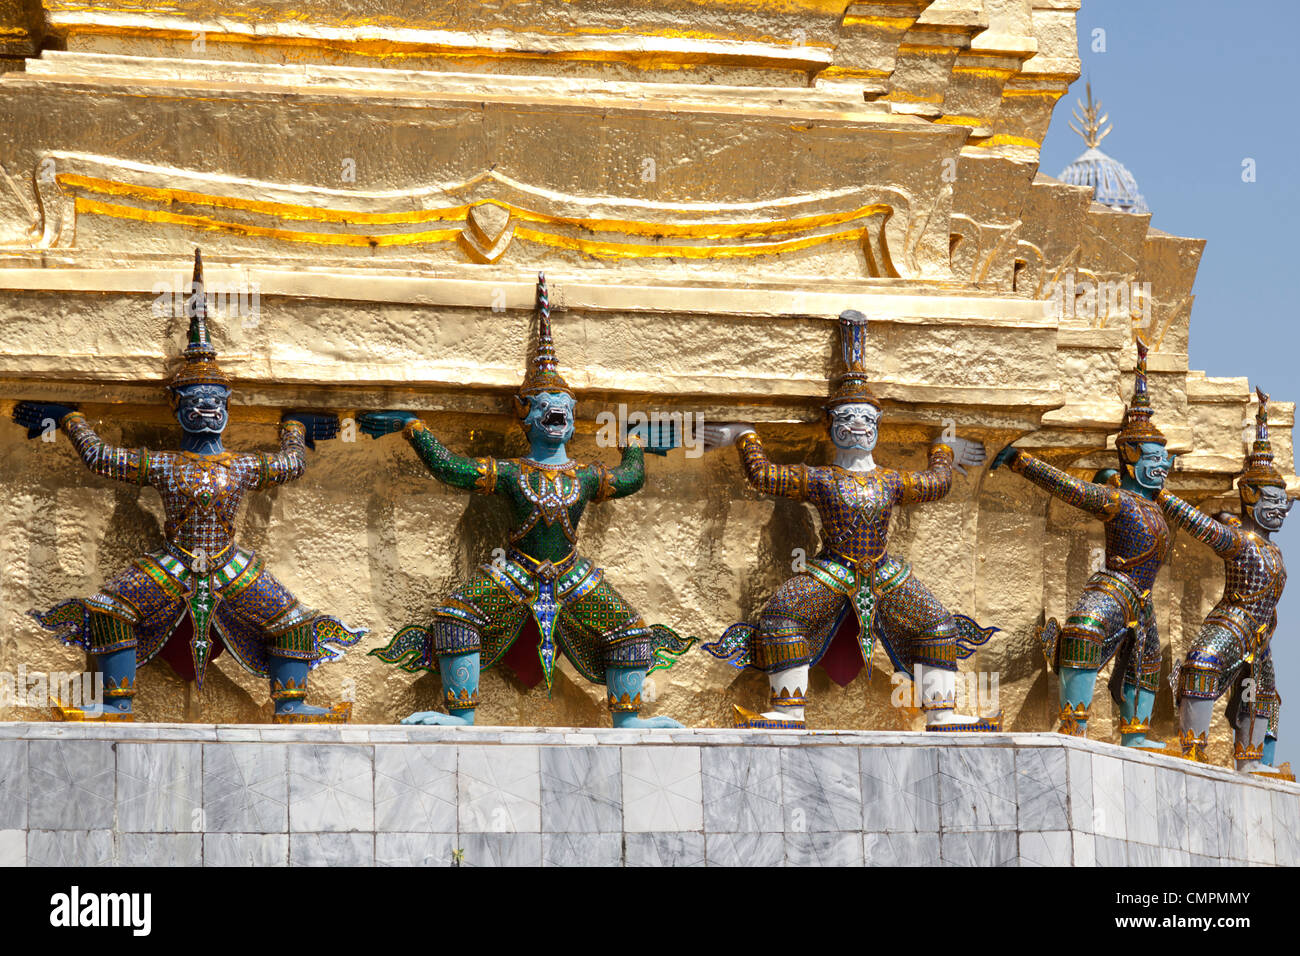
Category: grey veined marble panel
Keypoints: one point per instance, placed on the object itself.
(245, 788)
(582, 790)
(331, 788)
(900, 789)
(160, 787)
(415, 789)
(72, 785)
(662, 790)
(977, 789)
(742, 789)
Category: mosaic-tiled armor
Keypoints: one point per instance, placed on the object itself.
(200, 594)
(854, 591)
(543, 589)
(1114, 615)
(1232, 653)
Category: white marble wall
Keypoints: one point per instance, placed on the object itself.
(194, 794)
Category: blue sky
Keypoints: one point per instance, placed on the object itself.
(1194, 88)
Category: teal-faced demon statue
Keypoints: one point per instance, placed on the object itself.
(1114, 616)
(1231, 653)
(854, 591)
(201, 594)
(544, 590)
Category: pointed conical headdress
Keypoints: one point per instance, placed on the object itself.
(200, 366)
(850, 386)
(1260, 471)
(542, 374)
(1137, 429)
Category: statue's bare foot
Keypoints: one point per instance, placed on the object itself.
(301, 712)
(435, 717)
(301, 708)
(1256, 766)
(645, 723)
(947, 718)
(953, 721)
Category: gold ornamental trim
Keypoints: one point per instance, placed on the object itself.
(458, 213)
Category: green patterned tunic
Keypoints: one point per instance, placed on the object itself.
(542, 578)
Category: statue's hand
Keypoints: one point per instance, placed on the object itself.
(1004, 457)
(319, 426)
(965, 453)
(720, 436)
(39, 417)
(379, 424)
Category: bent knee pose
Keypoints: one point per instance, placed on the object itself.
(201, 594)
(853, 580)
(543, 579)
(1114, 615)
(1232, 653)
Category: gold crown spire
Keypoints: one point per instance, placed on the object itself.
(850, 386)
(200, 356)
(1092, 120)
(1137, 428)
(542, 374)
(1259, 470)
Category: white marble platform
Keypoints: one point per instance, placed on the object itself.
(215, 795)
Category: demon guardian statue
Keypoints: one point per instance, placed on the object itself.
(201, 593)
(543, 580)
(1232, 651)
(854, 583)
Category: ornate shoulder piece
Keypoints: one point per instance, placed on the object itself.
(487, 475)
(604, 484)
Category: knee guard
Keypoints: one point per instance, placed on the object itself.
(450, 636)
(937, 648)
(781, 643)
(109, 633)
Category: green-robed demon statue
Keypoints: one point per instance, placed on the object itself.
(543, 583)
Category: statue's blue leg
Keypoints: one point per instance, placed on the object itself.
(1077, 685)
(460, 673)
(624, 685)
(1194, 715)
(1270, 750)
(1135, 711)
(289, 686)
(1249, 740)
(118, 668)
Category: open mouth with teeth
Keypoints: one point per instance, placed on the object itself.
(555, 420)
(206, 417)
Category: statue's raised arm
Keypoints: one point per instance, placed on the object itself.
(129, 465)
(1101, 501)
(469, 474)
(1219, 536)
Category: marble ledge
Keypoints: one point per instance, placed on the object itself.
(369, 734)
